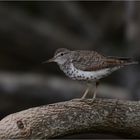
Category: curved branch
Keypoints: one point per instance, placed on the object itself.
(75, 116)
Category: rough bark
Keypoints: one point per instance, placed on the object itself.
(71, 117)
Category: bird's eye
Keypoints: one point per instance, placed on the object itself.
(61, 54)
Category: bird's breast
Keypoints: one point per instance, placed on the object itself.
(77, 74)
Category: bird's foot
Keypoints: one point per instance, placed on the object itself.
(92, 101)
(79, 99)
(85, 100)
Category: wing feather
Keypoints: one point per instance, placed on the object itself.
(88, 60)
(93, 61)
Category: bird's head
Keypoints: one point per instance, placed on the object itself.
(61, 56)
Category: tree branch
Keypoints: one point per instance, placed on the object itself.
(71, 117)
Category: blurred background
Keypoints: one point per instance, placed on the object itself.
(30, 32)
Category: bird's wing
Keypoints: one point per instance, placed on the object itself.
(89, 61)
(93, 61)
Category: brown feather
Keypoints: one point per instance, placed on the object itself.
(93, 61)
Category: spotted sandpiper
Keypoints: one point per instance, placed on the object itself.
(89, 66)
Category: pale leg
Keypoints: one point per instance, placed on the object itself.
(95, 92)
(85, 93)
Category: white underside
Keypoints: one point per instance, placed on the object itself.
(88, 75)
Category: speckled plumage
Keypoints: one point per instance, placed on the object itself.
(87, 65)
(77, 74)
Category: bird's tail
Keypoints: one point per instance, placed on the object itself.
(121, 61)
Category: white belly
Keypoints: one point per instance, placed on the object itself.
(87, 75)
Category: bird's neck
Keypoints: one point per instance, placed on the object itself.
(64, 67)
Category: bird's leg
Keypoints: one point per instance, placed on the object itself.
(85, 93)
(95, 91)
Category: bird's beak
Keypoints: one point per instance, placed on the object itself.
(49, 61)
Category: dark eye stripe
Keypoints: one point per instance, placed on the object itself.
(63, 53)
(61, 50)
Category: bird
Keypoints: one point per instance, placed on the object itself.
(89, 66)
